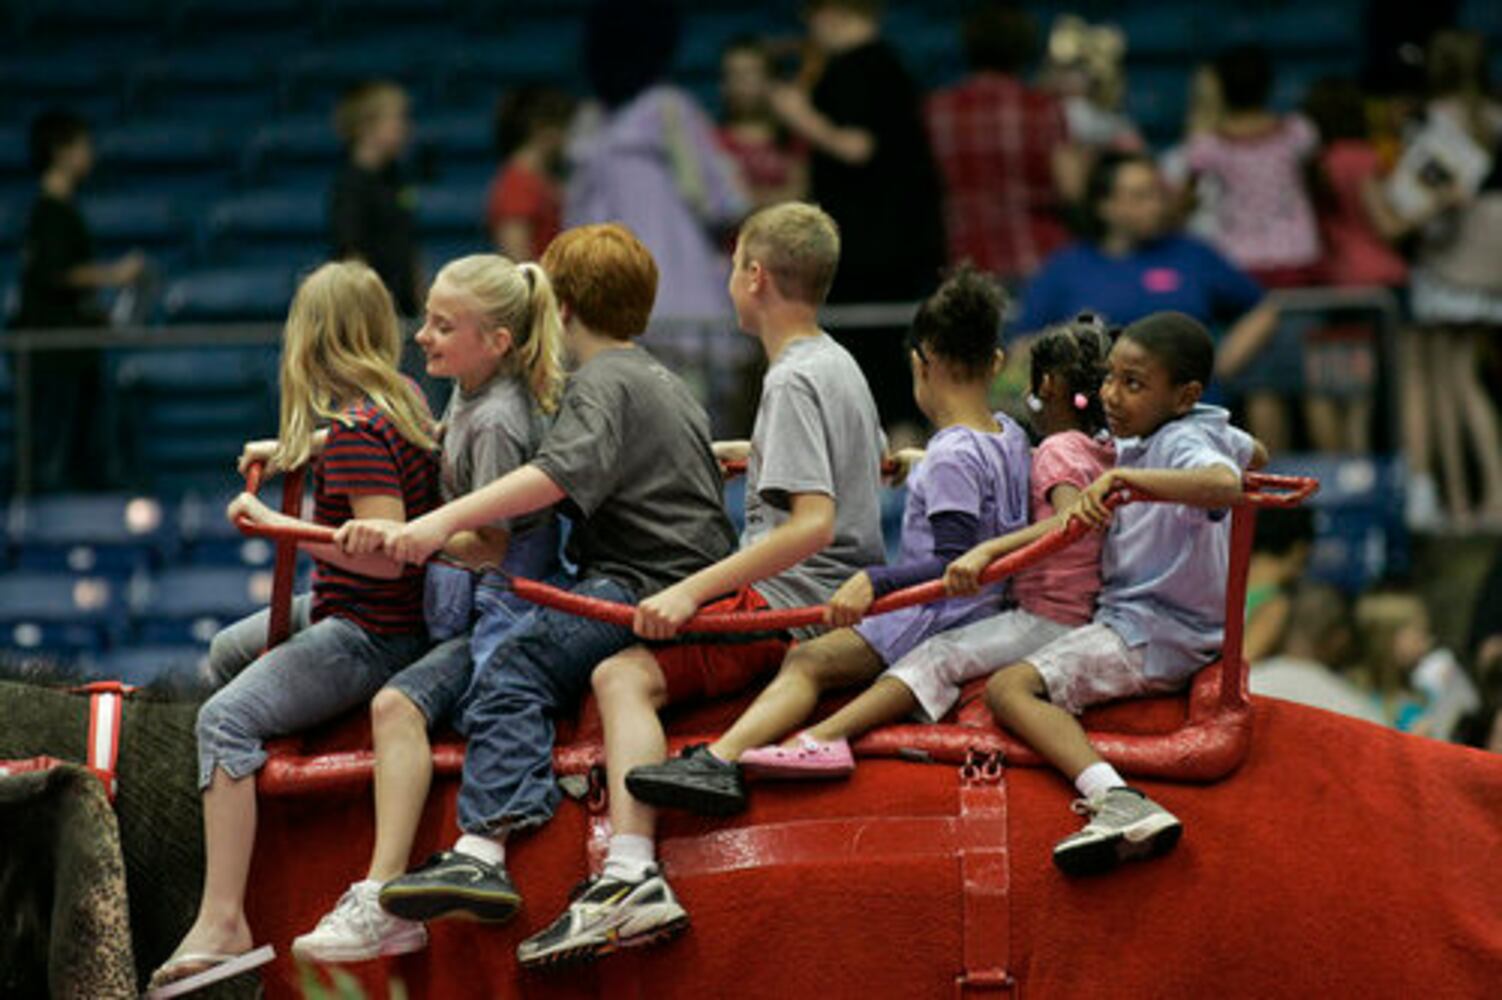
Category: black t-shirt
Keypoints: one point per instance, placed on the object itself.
(370, 217)
(892, 232)
(56, 242)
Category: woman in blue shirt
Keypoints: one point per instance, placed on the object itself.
(1129, 264)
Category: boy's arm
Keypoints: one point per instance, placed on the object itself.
(481, 549)
(519, 492)
(731, 451)
(1213, 486)
(1260, 456)
(809, 528)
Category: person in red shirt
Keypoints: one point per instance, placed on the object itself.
(774, 167)
(1340, 360)
(1004, 151)
(524, 208)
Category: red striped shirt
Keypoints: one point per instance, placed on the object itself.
(367, 456)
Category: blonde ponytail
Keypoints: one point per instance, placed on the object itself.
(342, 343)
(519, 298)
(541, 356)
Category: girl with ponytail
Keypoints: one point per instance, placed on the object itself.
(493, 326)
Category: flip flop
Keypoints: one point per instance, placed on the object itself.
(218, 968)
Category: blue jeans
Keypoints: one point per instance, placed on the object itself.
(325, 669)
(540, 672)
(437, 683)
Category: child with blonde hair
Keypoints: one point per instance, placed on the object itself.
(630, 460)
(492, 326)
(363, 620)
(812, 520)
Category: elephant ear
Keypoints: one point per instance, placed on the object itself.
(62, 887)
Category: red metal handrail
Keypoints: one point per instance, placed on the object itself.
(1262, 491)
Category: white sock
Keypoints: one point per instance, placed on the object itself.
(488, 850)
(1097, 779)
(629, 857)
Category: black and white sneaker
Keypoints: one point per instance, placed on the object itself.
(605, 914)
(452, 884)
(1124, 825)
(697, 781)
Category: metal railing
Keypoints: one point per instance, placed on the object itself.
(23, 346)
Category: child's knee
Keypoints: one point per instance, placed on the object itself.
(807, 663)
(392, 711)
(620, 680)
(1013, 685)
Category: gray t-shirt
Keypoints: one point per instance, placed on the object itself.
(816, 431)
(486, 434)
(631, 450)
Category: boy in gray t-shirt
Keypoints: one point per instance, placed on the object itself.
(629, 457)
(812, 520)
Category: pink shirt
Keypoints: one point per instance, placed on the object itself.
(1063, 587)
(1265, 220)
(1356, 254)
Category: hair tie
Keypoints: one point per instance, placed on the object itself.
(1034, 403)
(526, 270)
(1081, 402)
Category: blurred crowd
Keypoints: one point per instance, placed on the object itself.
(1029, 168)
(1375, 658)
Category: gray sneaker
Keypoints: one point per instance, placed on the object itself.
(603, 915)
(1124, 825)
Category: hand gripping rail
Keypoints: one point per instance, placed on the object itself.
(1212, 740)
(1262, 491)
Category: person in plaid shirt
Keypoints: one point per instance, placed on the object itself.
(1004, 151)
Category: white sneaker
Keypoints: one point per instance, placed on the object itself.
(357, 929)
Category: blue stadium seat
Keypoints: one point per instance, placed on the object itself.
(113, 535)
(529, 53)
(298, 213)
(466, 135)
(211, 370)
(60, 612)
(112, 18)
(1166, 31)
(1358, 516)
(163, 144)
(14, 159)
(12, 220)
(135, 220)
(187, 412)
(234, 82)
(457, 211)
(209, 539)
(191, 604)
(706, 34)
(55, 77)
(293, 144)
(247, 293)
(181, 666)
(314, 75)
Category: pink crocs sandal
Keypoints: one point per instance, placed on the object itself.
(807, 758)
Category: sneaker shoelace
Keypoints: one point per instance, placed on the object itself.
(357, 912)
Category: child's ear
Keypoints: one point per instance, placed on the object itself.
(998, 362)
(1186, 395)
(500, 341)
